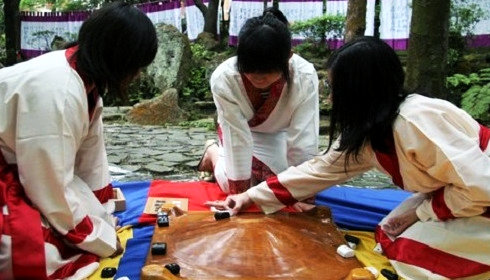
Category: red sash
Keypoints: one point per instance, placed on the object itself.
(22, 224)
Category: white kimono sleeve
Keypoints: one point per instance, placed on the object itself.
(92, 167)
(447, 149)
(50, 128)
(237, 137)
(303, 130)
(301, 182)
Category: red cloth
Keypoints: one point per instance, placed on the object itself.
(197, 193)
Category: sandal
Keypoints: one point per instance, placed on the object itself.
(206, 175)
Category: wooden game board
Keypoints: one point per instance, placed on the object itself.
(253, 246)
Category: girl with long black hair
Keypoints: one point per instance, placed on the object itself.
(428, 146)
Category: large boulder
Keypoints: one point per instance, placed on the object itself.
(158, 111)
(172, 65)
(207, 40)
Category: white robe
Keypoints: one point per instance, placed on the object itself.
(45, 130)
(287, 137)
(439, 156)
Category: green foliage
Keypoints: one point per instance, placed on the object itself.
(32, 5)
(464, 16)
(197, 87)
(315, 31)
(474, 91)
(318, 28)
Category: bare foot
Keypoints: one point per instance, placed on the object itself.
(209, 158)
(400, 223)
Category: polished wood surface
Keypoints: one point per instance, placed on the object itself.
(253, 246)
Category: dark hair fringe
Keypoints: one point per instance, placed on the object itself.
(367, 90)
(114, 43)
(264, 45)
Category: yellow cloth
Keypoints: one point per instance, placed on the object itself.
(366, 255)
(124, 234)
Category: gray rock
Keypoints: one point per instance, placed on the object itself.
(173, 157)
(158, 168)
(172, 64)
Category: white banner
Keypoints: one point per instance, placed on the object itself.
(240, 12)
(39, 29)
(168, 13)
(194, 19)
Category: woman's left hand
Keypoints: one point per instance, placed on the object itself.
(398, 224)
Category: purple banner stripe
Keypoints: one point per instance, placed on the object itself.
(479, 41)
(300, 1)
(27, 54)
(158, 6)
(397, 44)
(233, 40)
(261, 1)
(189, 3)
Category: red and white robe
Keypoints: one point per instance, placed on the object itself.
(441, 154)
(56, 219)
(262, 136)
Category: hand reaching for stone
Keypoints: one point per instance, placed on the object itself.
(233, 203)
(400, 223)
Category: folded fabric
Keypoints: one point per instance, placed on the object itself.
(360, 208)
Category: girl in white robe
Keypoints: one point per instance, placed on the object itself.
(267, 106)
(428, 146)
(55, 187)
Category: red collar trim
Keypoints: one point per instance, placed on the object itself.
(90, 89)
(263, 108)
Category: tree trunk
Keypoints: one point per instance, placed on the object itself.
(427, 48)
(355, 23)
(211, 18)
(12, 30)
(210, 14)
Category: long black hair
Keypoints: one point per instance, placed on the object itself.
(113, 44)
(367, 89)
(264, 44)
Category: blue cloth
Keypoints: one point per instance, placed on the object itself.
(360, 208)
(134, 257)
(136, 194)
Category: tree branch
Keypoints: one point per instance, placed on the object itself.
(200, 5)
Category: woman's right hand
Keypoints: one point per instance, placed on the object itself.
(233, 203)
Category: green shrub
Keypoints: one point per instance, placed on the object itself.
(474, 93)
(315, 31)
(197, 87)
(464, 16)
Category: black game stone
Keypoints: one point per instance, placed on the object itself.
(162, 220)
(108, 272)
(352, 239)
(221, 215)
(159, 248)
(388, 274)
(173, 267)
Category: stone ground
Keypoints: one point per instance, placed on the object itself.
(137, 152)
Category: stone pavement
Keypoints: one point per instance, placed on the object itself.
(137, 152)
